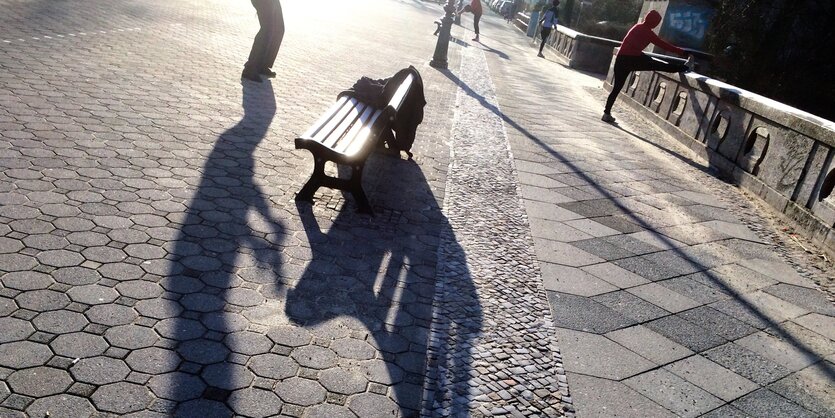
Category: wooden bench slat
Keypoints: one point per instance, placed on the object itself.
(359, 139)
(325, 117)
(332, 140)
(352, 135)
(335, 120)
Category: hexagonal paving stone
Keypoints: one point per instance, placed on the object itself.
(300, 391)
(60, 322)
(78, 345)
(10, 246)
(203, 351)
(248, 343)
(314, 357)
(145, 251)
(329, 411)
(225, 322)
(39, 381)
(4, 391)
(227, 376)
(139, 289)
(158, 308)
(99, 370)
(379, 371)
(113, 222)
(31, 226)
(177, 386)
(202, 302)
(128, 236)
(45, 242)
(111, 314)
(61, 406)
(244, 297)
(60, 258)
(343, 381)
(23, 354)
(104, 254)
(180, 329)
(42, 300)
(59, 210)
(121, 271)
(88, 238)
(17, 262)
(131, 336)
(7, 306)
(121, 398)
(353, 349)
(273, 366)
(256, 403)
(76, 276)
(26, 280)
(202, 408)
(373, 405)
(153, 360)
(182, 284)
(13, 329)
(93, 294)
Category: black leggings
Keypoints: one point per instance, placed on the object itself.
(625, 64)
(476, 18)
(545, 33)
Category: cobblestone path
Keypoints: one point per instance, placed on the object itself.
(491, 313)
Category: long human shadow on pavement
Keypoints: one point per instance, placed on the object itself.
(814, 358)
(378, 275)
(227, 225)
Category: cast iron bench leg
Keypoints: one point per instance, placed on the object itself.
(355, 184)
(309, 189)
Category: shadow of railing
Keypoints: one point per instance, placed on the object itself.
(378, 275)
(227, 226)
(818, 361)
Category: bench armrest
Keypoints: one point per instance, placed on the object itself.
(400, 95)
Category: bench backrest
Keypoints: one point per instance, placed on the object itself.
(347, 125)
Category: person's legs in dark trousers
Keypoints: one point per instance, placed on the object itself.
(626, 64)
(476, 18)
(258, 53)
(275, 41)
(545, 33)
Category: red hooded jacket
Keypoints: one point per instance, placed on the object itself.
(642, 35)
(476, 6)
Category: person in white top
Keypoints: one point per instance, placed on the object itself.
(548, 22)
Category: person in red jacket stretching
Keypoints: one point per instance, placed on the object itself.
(475, 8)
(631, 57)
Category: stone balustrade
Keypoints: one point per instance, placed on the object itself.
(582, 52)
(781, 154)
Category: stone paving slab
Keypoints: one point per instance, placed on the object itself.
(706, 299)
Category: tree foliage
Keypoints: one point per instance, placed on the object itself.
(778, 48)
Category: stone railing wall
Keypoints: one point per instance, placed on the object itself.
(581, 51)
(782, 154)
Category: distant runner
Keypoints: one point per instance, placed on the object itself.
(548, 22)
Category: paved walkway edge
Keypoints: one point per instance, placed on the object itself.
(492, 348)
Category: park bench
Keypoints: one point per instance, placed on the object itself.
(346, 134)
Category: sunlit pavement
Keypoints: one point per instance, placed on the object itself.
(153, 261)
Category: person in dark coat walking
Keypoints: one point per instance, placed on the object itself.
(267, 41)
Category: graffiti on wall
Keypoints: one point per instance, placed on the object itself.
(686, 24)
